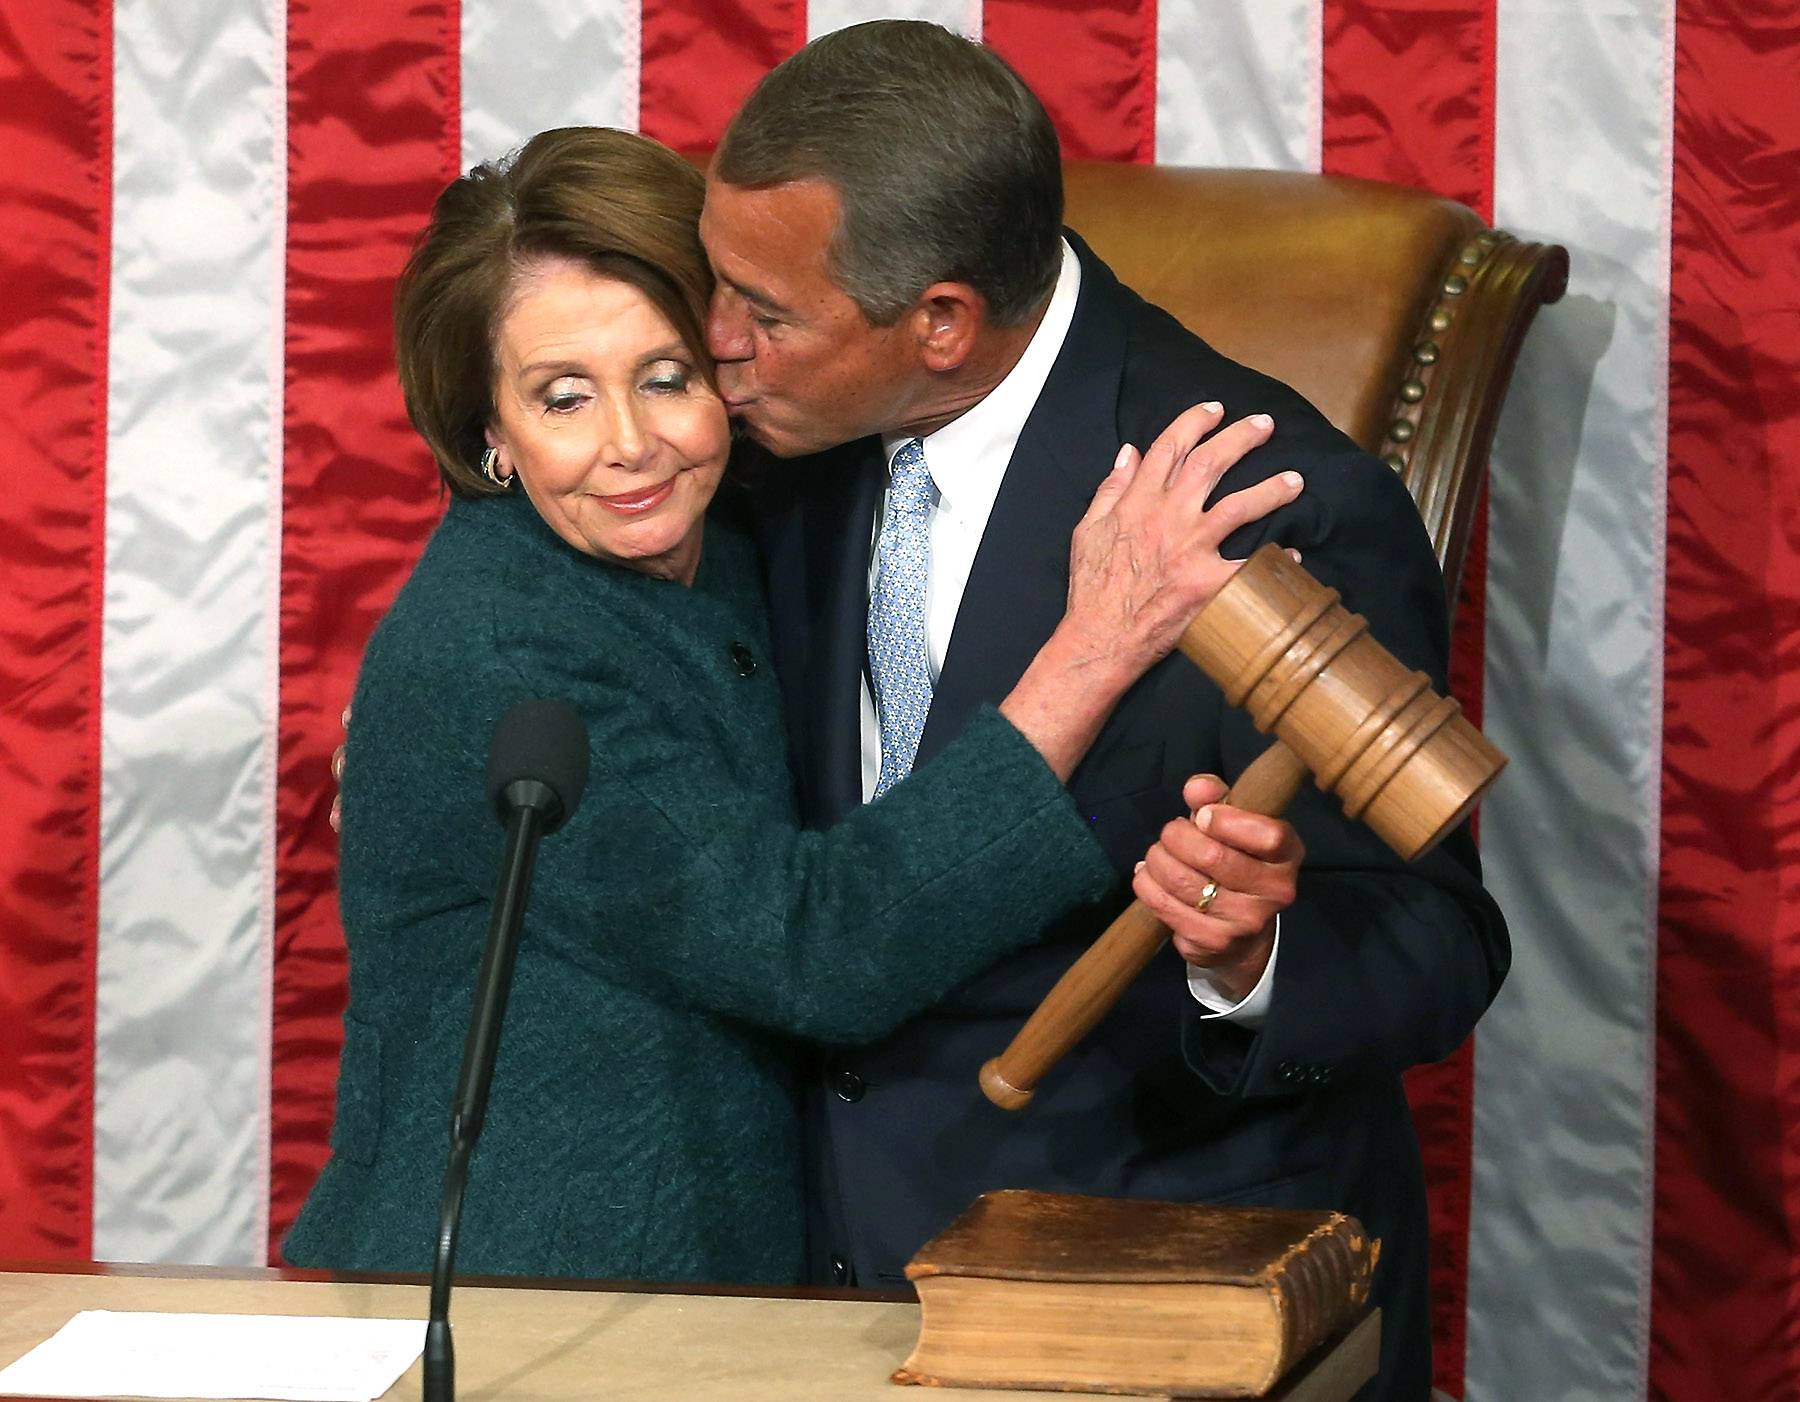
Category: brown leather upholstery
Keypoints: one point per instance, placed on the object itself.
(1398, 313)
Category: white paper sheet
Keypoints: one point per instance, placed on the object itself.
(293, 1358)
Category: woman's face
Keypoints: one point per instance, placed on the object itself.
(605, 418)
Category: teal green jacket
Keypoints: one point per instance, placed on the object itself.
(682, 931)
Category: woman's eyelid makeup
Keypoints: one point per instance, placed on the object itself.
(559, 397)
(561, 382)
(667, 372)
(565, 386)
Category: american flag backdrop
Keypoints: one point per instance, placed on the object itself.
(211, 493)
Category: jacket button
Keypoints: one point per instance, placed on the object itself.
(1290, 1072)
(1319, 1075)
(743, 659)
(849, 1087)
(840, 1270)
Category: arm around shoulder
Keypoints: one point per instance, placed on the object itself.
(718, 899)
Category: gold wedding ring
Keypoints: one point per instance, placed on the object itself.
(1208, 894)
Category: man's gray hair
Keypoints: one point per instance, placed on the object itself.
(946, 163)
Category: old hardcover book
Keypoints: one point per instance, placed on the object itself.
(1056, 1291)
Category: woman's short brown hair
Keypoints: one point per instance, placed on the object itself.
(620, 203)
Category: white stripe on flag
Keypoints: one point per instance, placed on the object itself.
(1564, 1101)
(193, 479)
(825, 16)
(1239, 85)
(528, 65)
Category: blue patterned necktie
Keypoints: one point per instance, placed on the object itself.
(898, 666)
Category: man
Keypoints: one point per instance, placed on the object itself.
(896, 296)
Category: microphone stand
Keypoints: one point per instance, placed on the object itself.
(533, 808)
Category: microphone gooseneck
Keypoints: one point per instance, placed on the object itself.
(536, 773)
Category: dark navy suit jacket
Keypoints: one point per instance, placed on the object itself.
(1382, 965)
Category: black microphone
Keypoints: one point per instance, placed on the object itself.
(537, 769)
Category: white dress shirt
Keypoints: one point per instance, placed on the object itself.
(968, 458)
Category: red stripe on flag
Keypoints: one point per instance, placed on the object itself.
(373, 118)
(55, 257)
(1725, 1279)
(1409, 97)
(702, 57)
(1094, 65)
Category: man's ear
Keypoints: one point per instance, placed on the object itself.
(949, 318)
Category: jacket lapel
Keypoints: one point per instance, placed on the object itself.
(839, 521)
(1020, 577)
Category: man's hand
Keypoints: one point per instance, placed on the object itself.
(1145, 557)
(1218, 880)
(337, 781)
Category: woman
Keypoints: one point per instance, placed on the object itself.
(683, 927)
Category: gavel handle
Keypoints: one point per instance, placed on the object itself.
(1095, 981)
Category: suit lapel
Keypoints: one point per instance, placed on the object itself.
(839, 520)
(1019, 580)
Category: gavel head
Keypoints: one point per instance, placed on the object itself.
(1403, 759)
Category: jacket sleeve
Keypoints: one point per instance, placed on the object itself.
(1384, 964)
(839, 934)
(685, 873)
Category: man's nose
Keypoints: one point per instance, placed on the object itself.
(727, 327)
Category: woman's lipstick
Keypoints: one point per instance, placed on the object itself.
(637, 503)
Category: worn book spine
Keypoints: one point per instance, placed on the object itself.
(1319, 1283)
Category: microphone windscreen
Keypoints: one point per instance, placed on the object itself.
(541, 740)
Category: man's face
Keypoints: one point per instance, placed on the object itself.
(799, 364)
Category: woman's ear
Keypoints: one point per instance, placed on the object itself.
(494, 464)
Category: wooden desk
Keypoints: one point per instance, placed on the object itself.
(534, 1344)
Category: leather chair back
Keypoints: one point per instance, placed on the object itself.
(1398, 313)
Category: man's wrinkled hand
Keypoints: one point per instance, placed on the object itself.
(1218, 880)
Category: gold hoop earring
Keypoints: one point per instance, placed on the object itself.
(490, 463)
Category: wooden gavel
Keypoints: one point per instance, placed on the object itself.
(1401, 758)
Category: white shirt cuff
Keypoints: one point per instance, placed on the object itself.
(1254, 1008)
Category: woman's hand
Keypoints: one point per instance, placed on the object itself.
(1218, 880)
(1145, 557)
(1144, 561)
